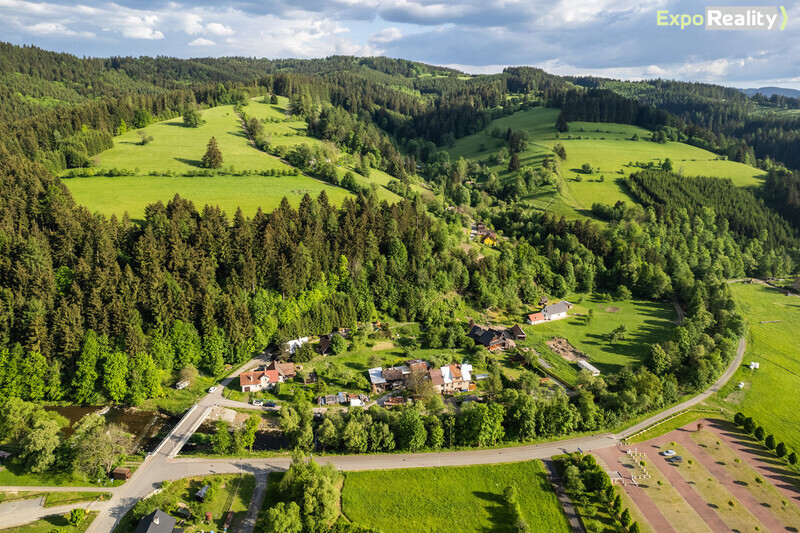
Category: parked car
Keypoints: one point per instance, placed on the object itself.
(740, 385)
(271, 404)
(212, 389)
(675, 460)
(668, 453)
(258, 403)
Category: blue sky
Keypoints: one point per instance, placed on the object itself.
(613, 38)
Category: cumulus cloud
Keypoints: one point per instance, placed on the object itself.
(386, 35)
(216, 28)
(202, 42)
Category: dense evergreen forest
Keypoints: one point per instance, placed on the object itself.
(96, 310)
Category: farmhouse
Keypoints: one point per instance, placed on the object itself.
(451, 378)
(379, 383)
(536, 318)
(259, 380)
(590, 368)
(550, 312)
(494, 338)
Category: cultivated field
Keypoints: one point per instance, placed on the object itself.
(467, 499)
(609, 150)
(770, 393)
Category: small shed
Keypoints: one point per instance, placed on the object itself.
(183, 512)
(201, 494)
(121, 473)
(615, 477)
(585, 365)
(181, 385)
(4, 456)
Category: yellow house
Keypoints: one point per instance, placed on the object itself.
(490, 240)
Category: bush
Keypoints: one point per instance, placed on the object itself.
(769, 442)
(759, 433)
(759, 480)
(625, 518)
(792, 458)
(780, 449)
(749, 425)
(76, 516)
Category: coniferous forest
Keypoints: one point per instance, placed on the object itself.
(94, 309)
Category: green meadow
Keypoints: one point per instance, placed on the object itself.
(179, 149)
(466, 499)
(133, 193)
(610, 150)
(770, 393)
(647, 322)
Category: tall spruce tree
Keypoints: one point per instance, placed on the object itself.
(213, 157)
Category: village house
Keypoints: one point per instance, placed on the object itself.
(157, 522)
(324, 345)
(379, 383)
(286, 371)
(259, 380)
(493, 338)
(451, 378)
(550, 312)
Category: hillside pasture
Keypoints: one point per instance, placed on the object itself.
(607, 147)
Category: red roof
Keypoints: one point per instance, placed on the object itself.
(254, 378)
(285, 369)
(536, 317)
(455, 371)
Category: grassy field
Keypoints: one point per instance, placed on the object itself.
(133, 193)
(609, 150)
(54, 499)
(647, 322)
(466, 499)
(769, 393)
(53, 523)
(179, 149)
(674, 423)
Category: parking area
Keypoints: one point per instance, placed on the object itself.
(708, 478)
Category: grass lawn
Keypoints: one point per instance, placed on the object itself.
(454, 498)
(647, 322)
(177, 402)
(49, 524)
(55, 499)
(183, 491)
(716, 496)
(769, 394)
(609, 151)
(766, 494)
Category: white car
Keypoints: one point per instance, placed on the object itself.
(212, 389)
(740, 385)
(258, 403)
(668, 453)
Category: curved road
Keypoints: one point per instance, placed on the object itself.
(161, 464)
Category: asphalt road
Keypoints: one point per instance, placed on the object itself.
(161, 464)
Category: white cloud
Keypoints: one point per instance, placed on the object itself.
(216, 28)
(192, 23)
(141, 27)
(202, 42)
(386, 35)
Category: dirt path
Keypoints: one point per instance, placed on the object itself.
(763, 514)
(611, 457)
(684, 488)
(762, 461)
